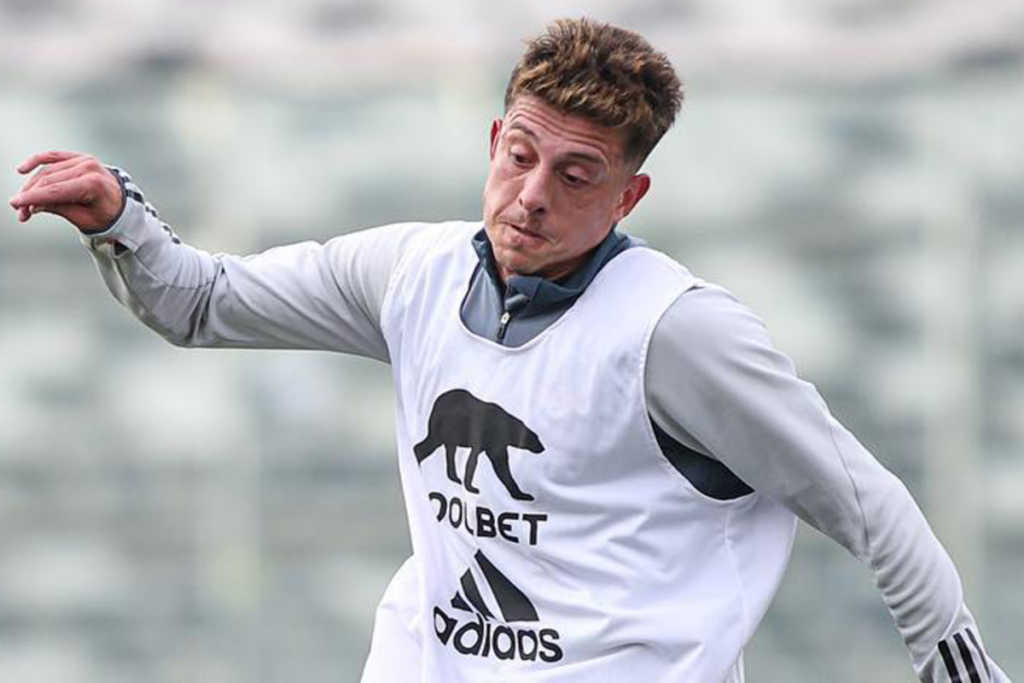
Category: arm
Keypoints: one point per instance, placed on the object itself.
(742, 403)
(303, 296)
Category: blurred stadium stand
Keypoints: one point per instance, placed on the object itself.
(852, 169)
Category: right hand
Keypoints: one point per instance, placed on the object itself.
(75, 186)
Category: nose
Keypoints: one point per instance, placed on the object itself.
(535, 194)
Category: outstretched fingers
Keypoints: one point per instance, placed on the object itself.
(48, 172)
(51, 157)
(57, 173)
(77, 190)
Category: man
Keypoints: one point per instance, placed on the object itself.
(646, 448)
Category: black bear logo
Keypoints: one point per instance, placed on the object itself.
(459, 419)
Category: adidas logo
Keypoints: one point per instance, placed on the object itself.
(483, 637)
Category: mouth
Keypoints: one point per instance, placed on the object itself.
(523, 230)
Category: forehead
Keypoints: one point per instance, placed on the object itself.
(551, 127)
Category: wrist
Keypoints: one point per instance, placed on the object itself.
(91, 232)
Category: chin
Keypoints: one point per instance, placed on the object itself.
(515, 265)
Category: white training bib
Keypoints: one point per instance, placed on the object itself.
(552, 539)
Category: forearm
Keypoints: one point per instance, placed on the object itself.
(915, 576)
(308, 295)
(164, 284)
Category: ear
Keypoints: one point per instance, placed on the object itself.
(636, 188)
(495, 136)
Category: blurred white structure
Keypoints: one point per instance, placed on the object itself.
(850, 168)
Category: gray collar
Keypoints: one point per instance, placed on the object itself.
(532, 302)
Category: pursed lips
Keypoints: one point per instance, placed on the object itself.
(526, 231)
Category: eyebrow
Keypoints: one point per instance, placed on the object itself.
(581, 156)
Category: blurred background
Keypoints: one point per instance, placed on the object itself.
(852, 169)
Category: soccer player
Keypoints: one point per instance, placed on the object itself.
(602, 456)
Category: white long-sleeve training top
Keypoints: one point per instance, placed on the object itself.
(741, 404)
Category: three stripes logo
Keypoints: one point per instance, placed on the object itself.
(967, 658)
(484, 635)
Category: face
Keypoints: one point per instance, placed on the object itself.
(556, 186)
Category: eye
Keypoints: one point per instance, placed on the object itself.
(574, 180)
(518, 157)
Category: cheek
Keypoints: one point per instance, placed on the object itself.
(597, 218)
(499, 189)
(505, 174)
(491, 189)
(585, 211)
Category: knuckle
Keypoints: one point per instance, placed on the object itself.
(96, 187)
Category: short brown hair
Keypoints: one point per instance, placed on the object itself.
(604, 73)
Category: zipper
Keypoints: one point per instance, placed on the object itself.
(503, 325)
